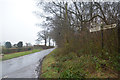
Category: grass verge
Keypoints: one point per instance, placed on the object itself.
(59, 65)
(47, 70)
(18, 54)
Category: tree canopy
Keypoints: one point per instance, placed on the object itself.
(8, 45)
(20, 44)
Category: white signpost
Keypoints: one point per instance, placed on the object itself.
(109, 26)
(95, 29)
(98, 28)
(101, 27)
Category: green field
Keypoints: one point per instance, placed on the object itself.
(18, 54)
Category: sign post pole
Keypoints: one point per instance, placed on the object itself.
(119, 39)
(118, 33)
(102, 38)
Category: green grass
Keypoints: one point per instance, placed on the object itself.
(59, 65)
(46, 67)
(18, 54)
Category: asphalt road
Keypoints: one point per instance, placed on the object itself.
(24, 66)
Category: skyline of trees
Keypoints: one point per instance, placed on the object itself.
(8, 44)
(77, 16)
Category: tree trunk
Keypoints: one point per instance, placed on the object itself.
(49, 41)
(45, 41)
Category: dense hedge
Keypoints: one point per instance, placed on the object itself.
(13, 50)
(43, 46)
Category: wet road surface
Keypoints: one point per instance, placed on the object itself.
(24, 66)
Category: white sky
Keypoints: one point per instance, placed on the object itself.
(17, 21)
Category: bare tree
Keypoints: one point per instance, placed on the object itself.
(43, 35)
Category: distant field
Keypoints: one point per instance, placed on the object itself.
(18, 54)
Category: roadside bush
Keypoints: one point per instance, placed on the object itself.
(57, 66)
(72, 73)
(29, 48)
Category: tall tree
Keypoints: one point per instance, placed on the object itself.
(8, 45)
(43, 35)
(20, 44)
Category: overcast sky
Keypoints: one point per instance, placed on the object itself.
(17, 21)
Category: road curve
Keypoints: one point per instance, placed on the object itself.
(24, 66)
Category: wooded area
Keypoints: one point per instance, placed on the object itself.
(70, 24)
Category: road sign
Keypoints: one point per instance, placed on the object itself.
(109, 26)
(95, 29)
(98, 28)
(101, 27)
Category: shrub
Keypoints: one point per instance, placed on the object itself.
(29, 48)
(77, 73)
